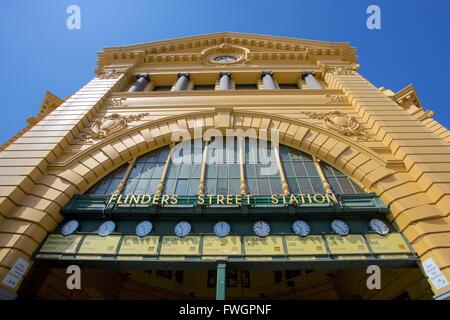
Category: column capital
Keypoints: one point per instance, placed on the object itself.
(183, 74)
(146, 76)
(307, 73)
(265, 73)
(224, 73)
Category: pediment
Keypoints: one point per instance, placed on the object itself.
(256, 45)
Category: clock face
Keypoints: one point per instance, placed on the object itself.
(261, 229)
(144, 228)
(69, 227)
(222, 229)
(106, 228)
(379, 227)
(224, 59)
(301, 228)
(182, 229)
(340, 227)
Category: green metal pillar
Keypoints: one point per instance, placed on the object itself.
(221, 281)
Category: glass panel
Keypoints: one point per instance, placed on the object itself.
(250, 170)
(311, 169)
(193, 186)
(299, 168)
(170, 186)
(264, 187)
(293, 185)
(317, 185)
(305, 186)
(185, 171)
(196, 171)
(158, 170)
(130, 186)
(222, 171)
(235, 186)
(141, 187)
(181, 188)
(147, 170)
(222, 186)
(276, 186)
(153, 186)
(252, 186)
(235, 171)
(210, 186)
(211, 171)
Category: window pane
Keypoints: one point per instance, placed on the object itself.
(196, 171)
(158, 170)
(136, 170)
(250, 170)
(153, 186)
(317, 185)
(252, 186)
(147, 170)
(264, 187)
(130, 186)
(305, 186)
(235, 186)
(141, 187)
(293, 185)
(300, 170)
(185, 171)
(289, 170)
(193, 186)
(173, 170)
(162, 155)
(211, 171)
(345, 185)
(222, 186)
(170, 186)
(311, 169)
(334, 185)
(276, 186)
(181, 188)
(222, 171)
(235, 170)
(210, 186)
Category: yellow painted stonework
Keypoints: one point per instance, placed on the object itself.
(406, 162)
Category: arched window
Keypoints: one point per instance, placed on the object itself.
(223, 171)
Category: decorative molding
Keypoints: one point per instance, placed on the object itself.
(241, 54)
(111, 124)
(337, 100)
(117, 101)
(339, 69)
(342, 123)
(109, 74)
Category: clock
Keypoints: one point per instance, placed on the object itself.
(182, 229)
(340, 227)
(69, 227)
(261, 229)
(224, 59)
(301, 228)
(379, 227)
(106, 228)
(144, 228)
(222, 229)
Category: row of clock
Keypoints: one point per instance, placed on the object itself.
(223, 228)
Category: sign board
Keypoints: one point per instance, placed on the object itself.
(311, 245)
(213, 246)
(434, 274)
(15, 275)
(99, 245)
(351, 244)
(269, 246)
(139, 245)
(60, 244)
(175, 246)
(390, 243)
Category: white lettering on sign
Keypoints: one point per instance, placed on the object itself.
(435, 274)
(16, 273)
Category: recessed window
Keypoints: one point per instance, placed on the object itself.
(288, 86)
(246, 86)
(162, 88)
(204, 87)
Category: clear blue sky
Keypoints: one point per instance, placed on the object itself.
(39, 53)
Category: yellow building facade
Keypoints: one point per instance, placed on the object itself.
(395, 156)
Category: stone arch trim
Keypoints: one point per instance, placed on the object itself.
(38, 212)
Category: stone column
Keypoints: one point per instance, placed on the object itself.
(225, 80)
(311, 80)
(141, 82)
(182, 82)
(267, 79)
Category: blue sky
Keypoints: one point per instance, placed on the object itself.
(39, 53)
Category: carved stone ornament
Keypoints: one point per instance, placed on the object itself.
(342, 123)
(109, 74)
(117, 101)
(341, 69)
(337, 100)
(231, 54)
(110, 125)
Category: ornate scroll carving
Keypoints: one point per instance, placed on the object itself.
(348, 69)
(342, 123)
(337, 100)
(117, 101)
(111, 124)
(109, 74)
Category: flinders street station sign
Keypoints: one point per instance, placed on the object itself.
(161, 200)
